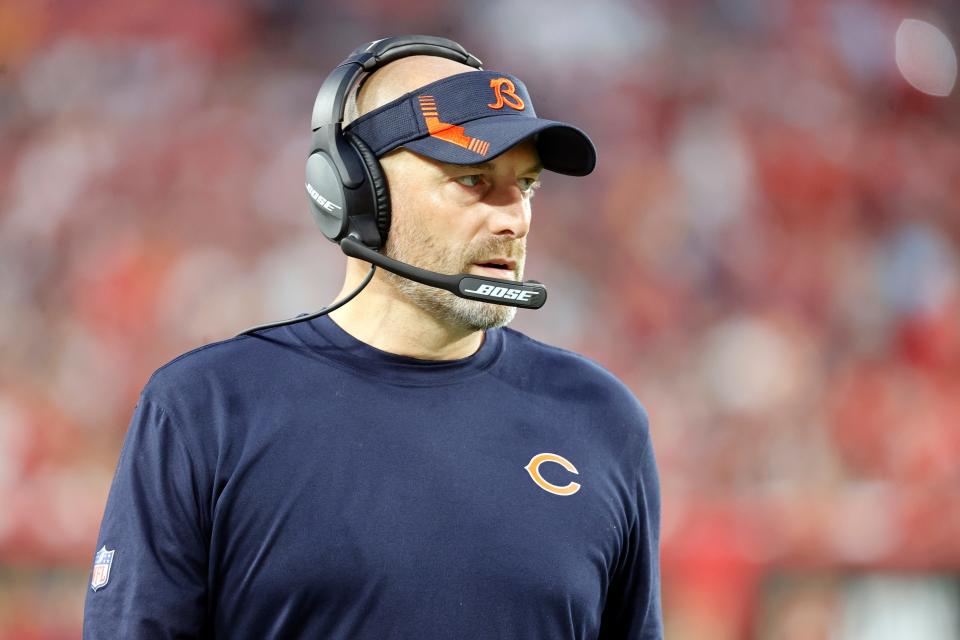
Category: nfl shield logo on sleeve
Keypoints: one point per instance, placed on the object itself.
(101, 567)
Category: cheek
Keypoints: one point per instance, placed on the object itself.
(420, 234)
(449, 223)
(433, 225)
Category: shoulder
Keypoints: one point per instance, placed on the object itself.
(200, 367)
(562, 366)
(577, 378)
(217, 373)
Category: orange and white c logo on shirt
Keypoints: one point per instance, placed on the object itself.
(533, 468)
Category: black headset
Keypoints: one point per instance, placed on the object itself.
(345, 184)
(348, 193)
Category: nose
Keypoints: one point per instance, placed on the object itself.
(509, 213)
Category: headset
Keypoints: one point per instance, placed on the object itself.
(348, 192)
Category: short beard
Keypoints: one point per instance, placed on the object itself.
(414, 246)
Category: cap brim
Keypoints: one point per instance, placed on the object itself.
(562, 148)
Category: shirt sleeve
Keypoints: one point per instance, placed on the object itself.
(632, 610)
(152, 540)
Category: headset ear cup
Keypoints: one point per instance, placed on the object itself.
(378, 183)
(325, 195)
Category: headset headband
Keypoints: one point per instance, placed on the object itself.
(331, 100)
(328, 109)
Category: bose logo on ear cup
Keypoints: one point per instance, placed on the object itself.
(320, 200)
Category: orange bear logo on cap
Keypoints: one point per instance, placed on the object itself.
(506, 93)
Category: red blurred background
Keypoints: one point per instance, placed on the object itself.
(767, 254)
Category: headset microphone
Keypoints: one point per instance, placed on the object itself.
(529, 294)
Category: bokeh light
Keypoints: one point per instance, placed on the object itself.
(926, 57)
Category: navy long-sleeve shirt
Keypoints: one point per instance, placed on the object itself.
(299, 483)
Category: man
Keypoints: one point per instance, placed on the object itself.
(404, 467)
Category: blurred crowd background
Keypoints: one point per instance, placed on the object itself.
(767, 254)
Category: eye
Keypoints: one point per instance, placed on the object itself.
(529, 185)
(470, 181)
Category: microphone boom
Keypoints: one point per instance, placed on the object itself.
(526, 295)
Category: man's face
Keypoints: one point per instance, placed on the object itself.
(461, 219)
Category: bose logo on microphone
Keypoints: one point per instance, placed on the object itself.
(320, 200)
(503, 292)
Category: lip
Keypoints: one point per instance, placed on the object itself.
(491, 272)
(511, 265)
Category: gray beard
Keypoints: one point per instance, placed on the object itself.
(467, 314)
(472, 315)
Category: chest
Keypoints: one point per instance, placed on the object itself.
(406, 504)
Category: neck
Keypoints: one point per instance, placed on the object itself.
(381, 317)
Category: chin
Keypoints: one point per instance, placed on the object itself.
(471, 315)
(480, 316)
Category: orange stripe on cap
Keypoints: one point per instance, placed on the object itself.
(454, 134)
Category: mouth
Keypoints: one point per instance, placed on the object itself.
(496, 268)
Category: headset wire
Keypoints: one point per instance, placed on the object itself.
(310, 316)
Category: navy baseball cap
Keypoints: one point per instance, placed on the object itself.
(470, 118)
